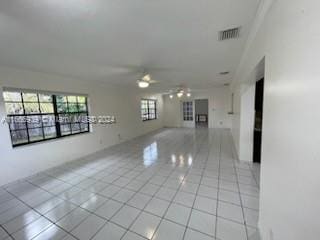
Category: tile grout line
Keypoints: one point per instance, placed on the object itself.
(172, 200)
(128, 168)
(241, 202)
(219, 169)
(42, 215)
(188, 221)
(1, 227)
(128, 229)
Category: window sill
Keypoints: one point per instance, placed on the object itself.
(149, 120)
(49, 140)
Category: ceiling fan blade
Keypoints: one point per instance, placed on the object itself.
(153, 81)
(141, 68)
(160, 69)
(124, 69)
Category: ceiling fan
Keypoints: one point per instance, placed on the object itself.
(145, 81)
(179, 91)
(144, 71)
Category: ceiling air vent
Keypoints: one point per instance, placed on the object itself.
(224, 73)
(229, 34)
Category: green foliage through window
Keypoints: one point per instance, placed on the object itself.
(35, 117)
(148, 109)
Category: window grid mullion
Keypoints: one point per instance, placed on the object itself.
(148, 109)
(87, 113)
(43, 136)
(148, 104)
(24, 112)
(78, 115)
(68, 114)
(56, 116)
(15, 133)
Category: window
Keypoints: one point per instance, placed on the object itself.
(148, 109)
(35, 117)
(187, 111)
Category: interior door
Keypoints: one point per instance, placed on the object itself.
(188, 114)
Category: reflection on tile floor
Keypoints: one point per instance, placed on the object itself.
(170, 185)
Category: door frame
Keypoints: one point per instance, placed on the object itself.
(202, 98)
(187, 124)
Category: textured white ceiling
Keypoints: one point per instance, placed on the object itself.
(112, 40)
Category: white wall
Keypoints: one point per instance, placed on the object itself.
(288, 36)
(244, 113)
(172, 112)
(247, 122)
(219, 99)
(104, 100)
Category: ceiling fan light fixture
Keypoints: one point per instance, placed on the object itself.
(146, 78)
(188, 94)
(171, 96)
(143, 84)
(179, 94)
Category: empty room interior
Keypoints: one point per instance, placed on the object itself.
(159, 120)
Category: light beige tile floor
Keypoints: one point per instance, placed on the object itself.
(171, 184)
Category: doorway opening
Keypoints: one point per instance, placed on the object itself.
(201, 113)
(257, 137)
